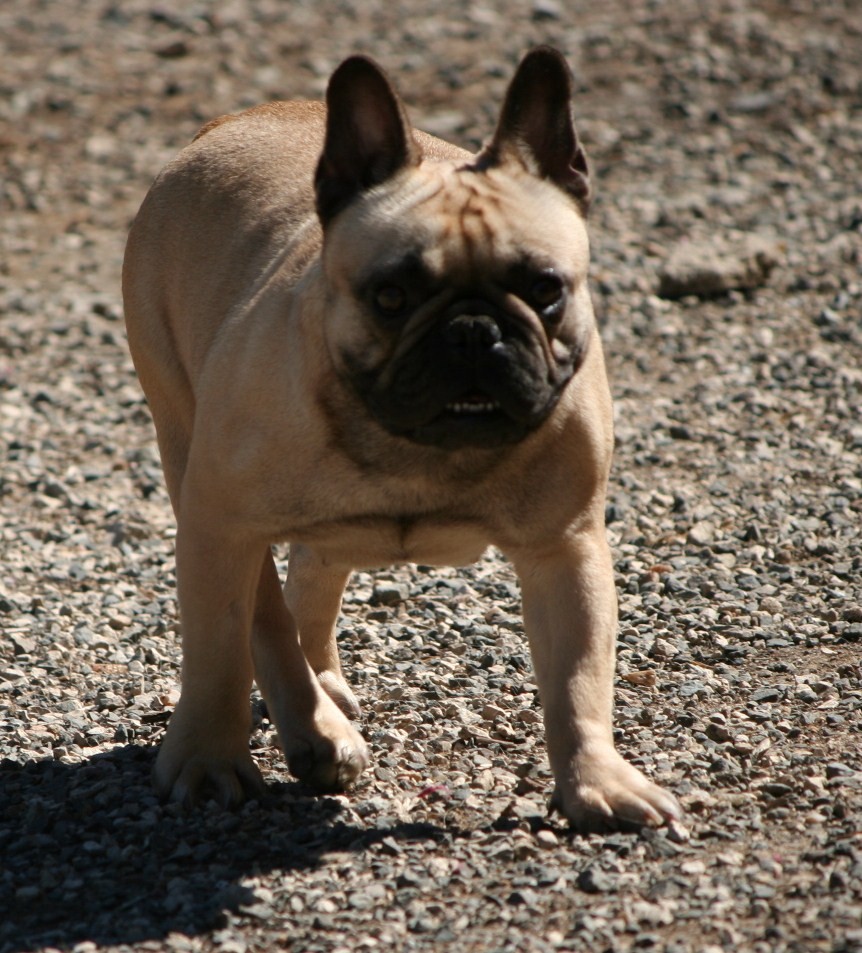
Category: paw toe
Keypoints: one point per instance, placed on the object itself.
(328, 766)
(616, 798)
(226, 782)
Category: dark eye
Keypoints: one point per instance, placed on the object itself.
(390, 299)
(546, 293)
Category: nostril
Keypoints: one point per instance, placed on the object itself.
(473, 330)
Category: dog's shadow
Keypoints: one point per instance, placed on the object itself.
(88, 853)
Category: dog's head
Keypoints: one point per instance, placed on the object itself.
(458, 306)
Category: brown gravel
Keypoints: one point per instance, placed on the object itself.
(725, 140)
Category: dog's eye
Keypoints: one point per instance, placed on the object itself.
(390, 299)
(547, 292)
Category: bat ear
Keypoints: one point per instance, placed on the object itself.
(536, 126)
(368, 135)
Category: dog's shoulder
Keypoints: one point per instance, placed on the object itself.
(438, 150)
(313, 114)
(281, 112)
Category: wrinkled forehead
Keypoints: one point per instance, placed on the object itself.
(460, 220)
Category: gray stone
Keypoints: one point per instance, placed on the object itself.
(706, 269)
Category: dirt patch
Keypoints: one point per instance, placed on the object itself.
(734, 510)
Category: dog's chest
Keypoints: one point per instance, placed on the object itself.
(373, 540)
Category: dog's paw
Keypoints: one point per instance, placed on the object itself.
(190, 774)
(341, 693)
(604, 793)
(322, 748)
(328, 762)
(325, 764)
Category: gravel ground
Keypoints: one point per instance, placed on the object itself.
(725, 141)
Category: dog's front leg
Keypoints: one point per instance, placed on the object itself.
(570, 614)
(205, 751)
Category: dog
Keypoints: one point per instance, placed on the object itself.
(379, 347)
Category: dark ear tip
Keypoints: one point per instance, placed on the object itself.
(356, 68)
(545, 51)
(546, 58)
(548, 66)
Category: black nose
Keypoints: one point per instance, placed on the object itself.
(472, 332)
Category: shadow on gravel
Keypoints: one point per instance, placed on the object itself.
(87, 852)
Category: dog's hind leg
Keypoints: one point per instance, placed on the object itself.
(321, 746)
(174, 436)
(313, 591)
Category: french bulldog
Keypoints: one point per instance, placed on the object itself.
(379, 347)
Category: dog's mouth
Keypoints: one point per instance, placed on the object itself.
(478, 392)
(473, 419)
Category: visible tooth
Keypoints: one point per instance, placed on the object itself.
(460, 407)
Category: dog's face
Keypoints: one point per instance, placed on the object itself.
(458, 305)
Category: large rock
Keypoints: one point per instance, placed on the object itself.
(715, 267)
